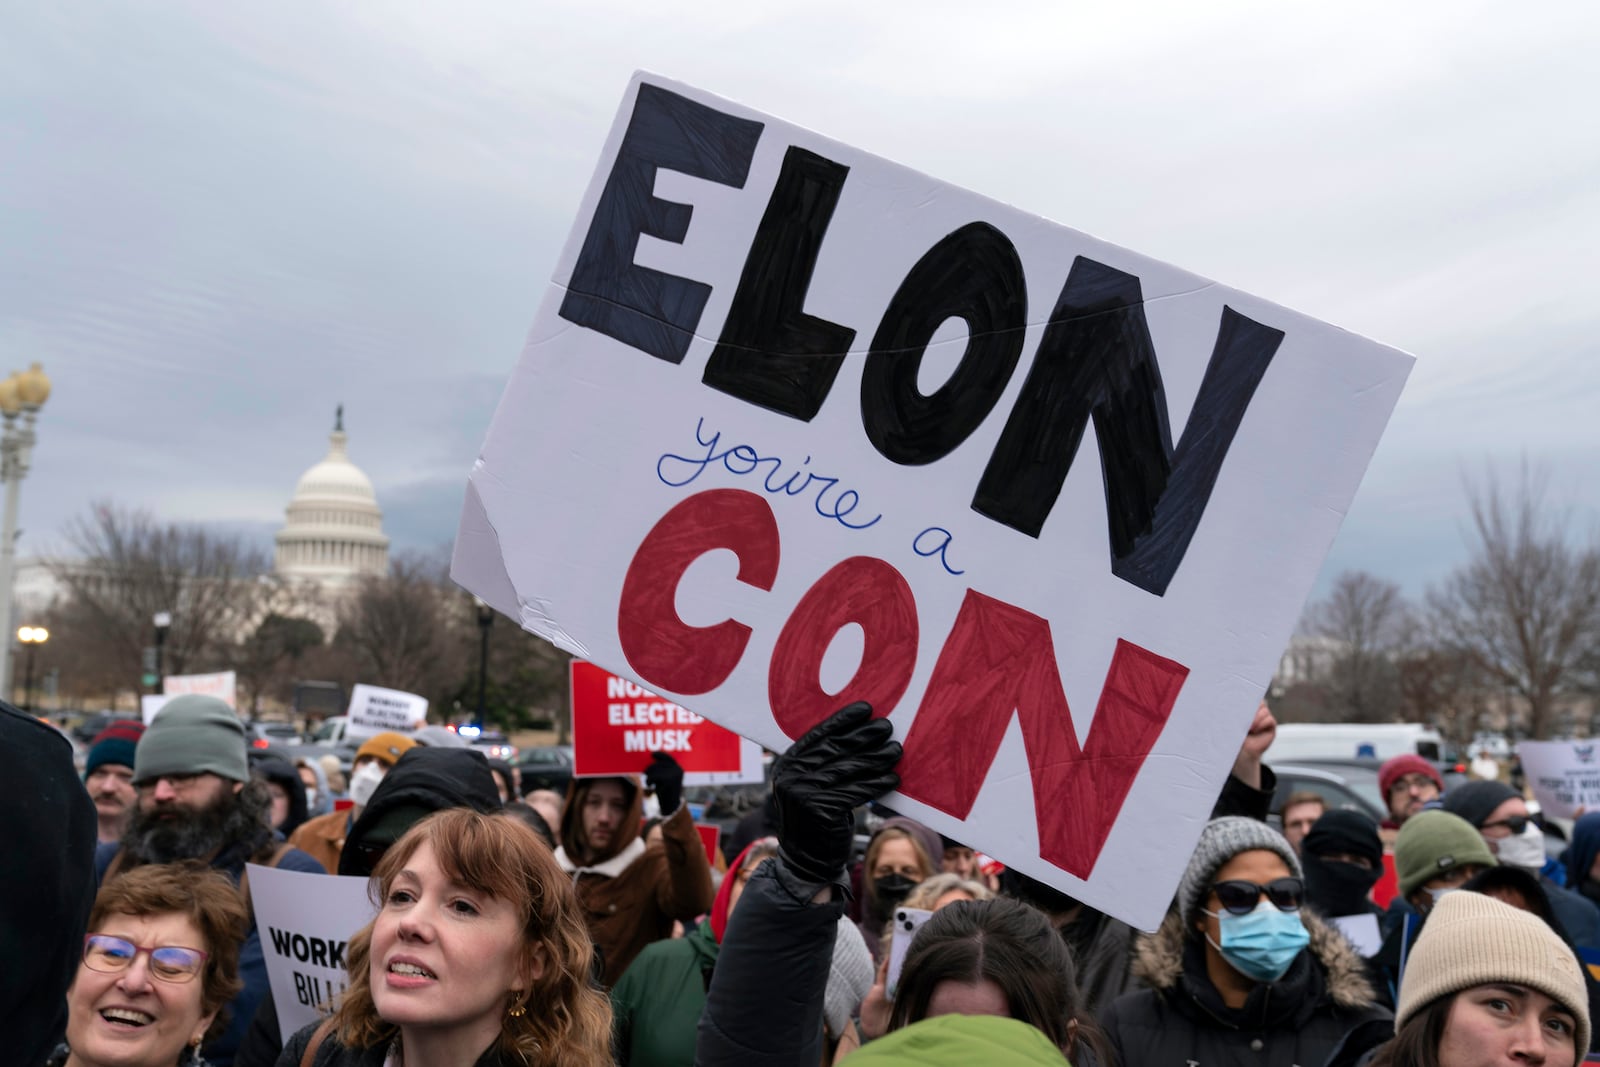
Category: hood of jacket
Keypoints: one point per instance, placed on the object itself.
(956, 1040)
(1158, 960)
(324, 802)
(283, 775)
(426, 778)
(572, 842)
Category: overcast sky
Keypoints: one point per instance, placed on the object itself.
(219, 220)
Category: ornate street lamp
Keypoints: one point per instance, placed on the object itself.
(22, 395)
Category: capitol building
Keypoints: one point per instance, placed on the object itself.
(333, 535)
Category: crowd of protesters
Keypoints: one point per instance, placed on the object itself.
(595, 928)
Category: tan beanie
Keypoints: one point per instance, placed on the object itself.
(1471, 940)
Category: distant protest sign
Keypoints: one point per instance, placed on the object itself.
(1564, 775)
(797, 426)
(616, 725)
(375, 710)
(150, 703)
(222, 684)
(305, 922)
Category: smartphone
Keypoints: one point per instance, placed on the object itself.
(907, 921)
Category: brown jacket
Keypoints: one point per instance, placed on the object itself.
(631, 893)
(322, 838)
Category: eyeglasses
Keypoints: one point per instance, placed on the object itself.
(1413, 783)
(170, 963)
(1241, 898)
(1515, 823)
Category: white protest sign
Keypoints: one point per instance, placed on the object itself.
(1564, 775)
(1361, 931)
(797, 426)
(150, 703)
(305, 922)
(375, 710)
(221, 684)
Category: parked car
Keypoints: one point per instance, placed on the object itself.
(90, 726)
(492, 743)
(548, 767)
(332, 730)
(279, 733)
(1342, 786)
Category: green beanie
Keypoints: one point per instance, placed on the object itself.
(192, 734)
(1434, 842)
(962, 1039)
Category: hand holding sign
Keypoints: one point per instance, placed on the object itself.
(841, 764)
(664, 777)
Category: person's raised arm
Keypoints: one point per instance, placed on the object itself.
(766, 997)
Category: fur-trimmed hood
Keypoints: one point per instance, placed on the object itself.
(1158, 960)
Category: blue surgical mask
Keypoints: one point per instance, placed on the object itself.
(1261, 944)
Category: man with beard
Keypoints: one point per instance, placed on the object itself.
(196, 801)
(108, 775)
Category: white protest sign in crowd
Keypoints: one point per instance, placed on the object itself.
(306, 921)
(222, 684)
(1564, 775)
(375, 710)
(797, 426)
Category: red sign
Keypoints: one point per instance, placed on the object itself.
(616, 725)
(710, 833)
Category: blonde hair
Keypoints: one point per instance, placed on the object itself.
(930, 889)
(567, 1021)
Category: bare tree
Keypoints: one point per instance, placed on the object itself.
(129, 567)
(1366, 619)
(404, 630)
(1525, 608)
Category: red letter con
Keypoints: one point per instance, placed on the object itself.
(666, 651)
(1000, 659)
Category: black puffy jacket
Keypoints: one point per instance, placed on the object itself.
(1322, 1011)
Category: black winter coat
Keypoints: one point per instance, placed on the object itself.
(1322, 1011)
(332, 1054)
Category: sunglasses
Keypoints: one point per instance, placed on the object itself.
(113, 955)
(1515, 823)
(1241, 898)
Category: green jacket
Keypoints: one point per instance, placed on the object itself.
(958, 1040)
(658, 1000)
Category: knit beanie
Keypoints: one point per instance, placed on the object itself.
(1476, 801)
(1344, 831)
(192, 734)
(1404, 764)
(1470, 940)
(849, 976)
(115, 744)
(386, 748)
(1434, 842)
(1220, 841)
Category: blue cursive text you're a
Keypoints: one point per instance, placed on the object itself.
(830, 501)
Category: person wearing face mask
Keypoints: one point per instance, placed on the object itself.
(324, 836)
(900, 855)
(1343, 859)
(1434, 854)
(1240, 972)
(1499, 813)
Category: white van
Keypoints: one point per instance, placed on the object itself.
(1350, 740)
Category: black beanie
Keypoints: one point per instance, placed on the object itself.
(1341, 830)
(1476, 801)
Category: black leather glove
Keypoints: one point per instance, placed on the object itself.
(665, 777)
(845, 761)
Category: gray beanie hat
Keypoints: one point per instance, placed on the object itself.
(849, 979)
(192, 734)
(1220, 841)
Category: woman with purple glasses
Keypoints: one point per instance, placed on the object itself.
(1240, 973)
(159, 962)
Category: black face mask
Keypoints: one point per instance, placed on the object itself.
(1336, 888)
(1591, 889)
(890, 891)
